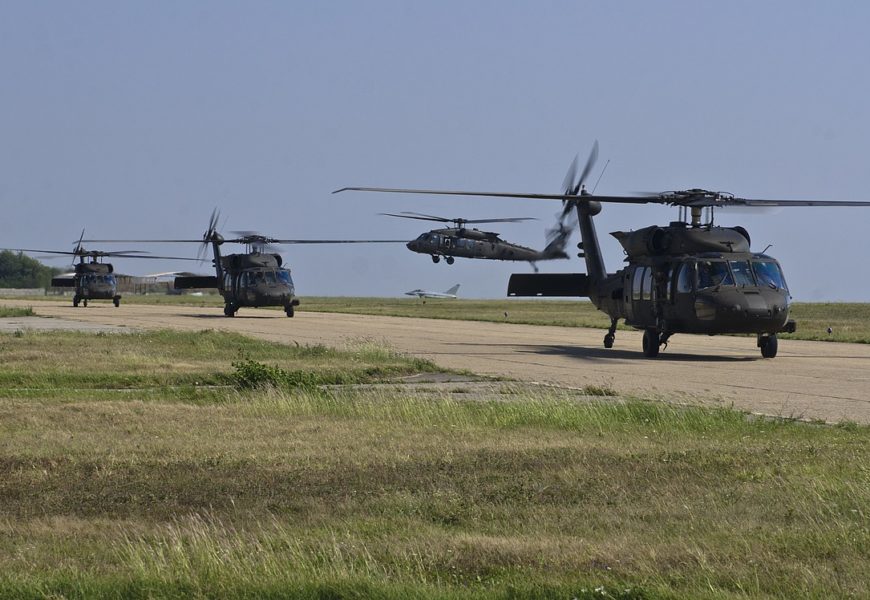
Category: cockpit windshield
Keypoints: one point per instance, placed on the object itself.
(713, 273)
(742, 273)
(98, 280)
(769, 274)
(284, 276)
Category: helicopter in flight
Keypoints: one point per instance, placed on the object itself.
(690, 276)
(91, 278)
(253, 278)
(465, 242)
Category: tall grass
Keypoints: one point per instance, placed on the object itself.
(276, 489)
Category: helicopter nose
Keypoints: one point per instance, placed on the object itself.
(412, 245)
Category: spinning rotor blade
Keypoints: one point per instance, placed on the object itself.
(590, 162)
(458, 221)
(152, 241)
(688, 198)
(339, 241)
(570, 176)
(149, 256)
(56, 252)
(418, 216)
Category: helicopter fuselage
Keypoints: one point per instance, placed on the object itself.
(247, 280)
(473, 243)
(256, 280)
(679, 279)
(92, 281)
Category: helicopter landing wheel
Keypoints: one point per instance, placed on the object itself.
(436, 259)
(289, 310)
(449, 260)
(116, 301)
(76, 300)
(85, 302)
(230, 310)
(769, 345)
(651, 342)
(608, 340)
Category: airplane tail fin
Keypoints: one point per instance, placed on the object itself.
(452, 291)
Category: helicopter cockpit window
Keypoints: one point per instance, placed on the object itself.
(424, 237)
(284, 277)
(769, 274)
(742, 273)
(713, 273)
(270, 277)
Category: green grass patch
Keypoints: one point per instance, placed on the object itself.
(11, 311)
(172, 365)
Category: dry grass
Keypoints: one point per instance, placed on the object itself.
(383, 491)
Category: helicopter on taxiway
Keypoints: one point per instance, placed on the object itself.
(91, 278)
(254, 278)
(465, 242)
(690, 276)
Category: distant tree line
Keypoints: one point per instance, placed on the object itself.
(20, 271)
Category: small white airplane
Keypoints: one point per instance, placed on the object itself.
(451, 293)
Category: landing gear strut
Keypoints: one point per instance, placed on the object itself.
(436, 259)
(230, 309)
(116, 301)
(611, 334)
(651, 342)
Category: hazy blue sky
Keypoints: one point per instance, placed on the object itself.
(136, 119)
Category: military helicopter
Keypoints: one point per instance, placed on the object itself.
(91, 278)
(253, 278)
(690, 276)
(465, 242)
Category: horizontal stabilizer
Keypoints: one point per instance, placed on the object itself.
(63, 282)
(197, 281)
(549, 284)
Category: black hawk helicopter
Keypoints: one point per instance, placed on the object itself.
(465, 242)
(690, 276)
(254, 278)
(92, 278)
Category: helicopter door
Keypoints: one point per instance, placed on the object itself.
(626, 296)
(642, 296)
(683, 297)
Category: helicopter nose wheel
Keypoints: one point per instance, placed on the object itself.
(230, 310)
(76, 301)
(436, 259)
(116, 301)
(449, 260)
(769, 345)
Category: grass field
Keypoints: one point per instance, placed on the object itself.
(163, 465)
